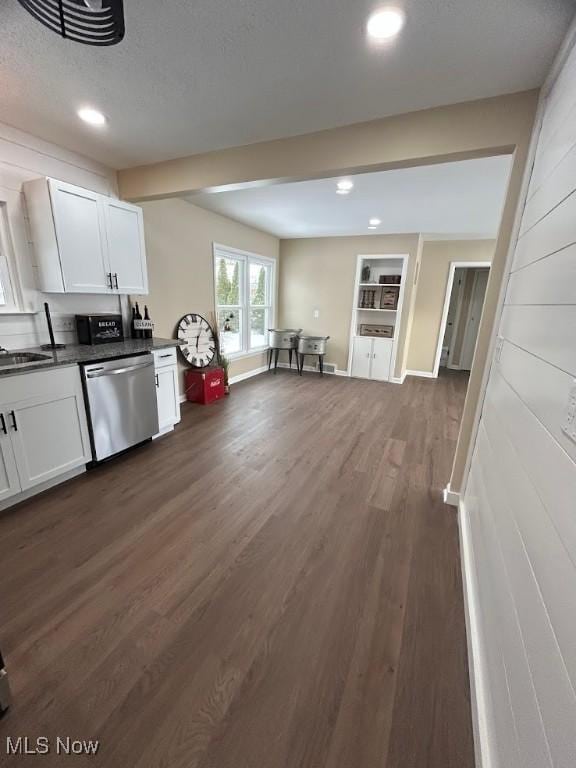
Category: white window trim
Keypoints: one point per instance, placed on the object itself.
(8, 269)
(218, 249)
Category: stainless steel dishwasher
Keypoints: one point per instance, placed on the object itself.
(121, 403)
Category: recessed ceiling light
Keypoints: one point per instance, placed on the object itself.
(344, 186)
(374, 222)
(385, 24)
(91, 116)
(372, 227)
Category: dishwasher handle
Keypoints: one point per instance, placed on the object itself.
(115, 371)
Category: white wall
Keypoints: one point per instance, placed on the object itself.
(24, 157)
(519, 511)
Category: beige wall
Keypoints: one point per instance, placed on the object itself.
(179, 238)
(500, 125)
(318, 273)
(431, 292)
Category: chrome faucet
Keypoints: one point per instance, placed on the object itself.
(3, 350)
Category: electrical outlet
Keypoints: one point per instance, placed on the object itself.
(569, 426)
(316, 314)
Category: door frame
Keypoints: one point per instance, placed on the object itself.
(454, 265)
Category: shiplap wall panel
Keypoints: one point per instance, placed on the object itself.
(559, 144)
(555, 694)
(520, 499)
(530, 745)
(557, 187)
(548, 331)
(542, 387)
(555, 231)
(502, 719)
(546, 281)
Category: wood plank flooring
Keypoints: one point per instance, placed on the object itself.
(275, 585)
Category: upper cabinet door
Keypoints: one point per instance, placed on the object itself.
(81, 238)
(126, 251)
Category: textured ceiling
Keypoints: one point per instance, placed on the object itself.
(463, 198)
(198, 75)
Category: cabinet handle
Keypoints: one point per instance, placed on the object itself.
(156, 377)
(14, 425)
(3, 421)
(116, 279)
(109, 280)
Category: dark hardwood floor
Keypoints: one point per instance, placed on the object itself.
(274, 585)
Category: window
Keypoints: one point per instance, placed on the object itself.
(8, 296)
(244, 306)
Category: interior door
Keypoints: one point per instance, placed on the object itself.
(81, 238)
(381, 359)
(473, 323)
(361, 357)
(9, 480)
(126, 251)
(48, 435)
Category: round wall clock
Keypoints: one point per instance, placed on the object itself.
(199, 345)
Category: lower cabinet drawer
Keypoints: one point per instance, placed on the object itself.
(164, 357)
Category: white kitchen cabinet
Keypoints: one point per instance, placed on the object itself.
(9, 480)
(85, 242)
(80, 237)
(125, 243)
(371, 358)
(167, 390)
(45, 421)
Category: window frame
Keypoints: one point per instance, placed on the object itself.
(9, 277)
(246, 258)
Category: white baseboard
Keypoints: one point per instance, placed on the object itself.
(248, 374)
(476, 671)
(313, 369)
(451, 497)
(399, 379)
(422, 374)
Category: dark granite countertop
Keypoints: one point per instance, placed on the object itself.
(83, 353)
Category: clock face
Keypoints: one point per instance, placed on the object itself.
(199, 345)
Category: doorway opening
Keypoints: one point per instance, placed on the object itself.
(463, 306)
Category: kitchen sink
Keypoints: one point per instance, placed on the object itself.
(21, 357)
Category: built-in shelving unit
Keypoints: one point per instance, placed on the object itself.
(377, 307)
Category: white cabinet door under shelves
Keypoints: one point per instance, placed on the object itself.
(126, 251)
(381, 356)
(9, 480)
(371, 358)
(361, 357)
(81, 238)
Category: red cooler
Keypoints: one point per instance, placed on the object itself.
(204, 385)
